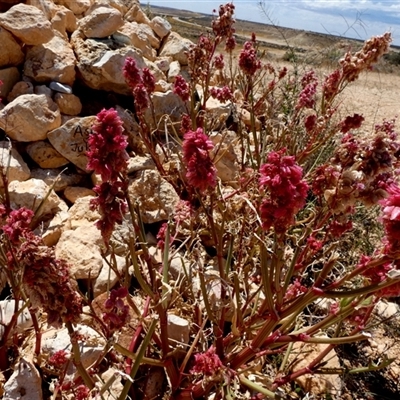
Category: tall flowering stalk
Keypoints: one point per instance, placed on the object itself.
(108, 157)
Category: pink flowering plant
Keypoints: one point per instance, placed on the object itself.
(242, 251)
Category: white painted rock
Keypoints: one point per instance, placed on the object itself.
(178, 329)
(107, 277)
(177, 47)
(156, 197)
(7, 308)
(56, 178)
(73, 193)
(19, 89)
(54, 60)
(25, 383)
(139, 36)
(81, 248)
(29, 117)
(27, 23)
(11, 160)
(102, 22)
(68, 104)
(9, 76)
(91, 344)
(45, 155)
(31, 194)
(11, 53)
(71, 139)
(160, 26)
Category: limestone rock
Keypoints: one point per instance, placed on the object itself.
(81, 248)
(68, 103)
(19, 89)
(167, 103)
(78, 7)
(163, 63)
(59, 179)
(45, 155)
(132, 129)
(156, 197)
(12, 162)
(7, 310)
(176, 46)
(29, 117)
(139, 36)
(50, 232)
(174, 71)
(91, 345)
(139, 163)
(178, 329)
(160, 26)
(11, 53)
(64, 21)
(43, 89)
(81, 214)
(24, 383)
(100, 66)
(9, 76)
(73, 193)
(135, 13)
(33, 193)
(163, 86)
(158, 74)
(70, 140)
(245, 117)
(107, 278)
(54, 60)
(102, 22)
(27, 23)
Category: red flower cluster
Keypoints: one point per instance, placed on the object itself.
(59, 359)
(351, 122)
(223, 94)
(282, 177)
(307, 96)
(108, 157)
(201, 172)
(391, 218)
(248, 60)
(117, 311)
(208, 363)
(181, 88)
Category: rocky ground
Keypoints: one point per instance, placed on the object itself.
(60, 64)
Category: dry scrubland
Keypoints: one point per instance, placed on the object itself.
(226, 227)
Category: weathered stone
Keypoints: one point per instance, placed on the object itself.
(54, 60)
(107, 278)
(132, 129)
(176, 47)
(33, 193)
(13, 164)
(101, 67)
(43, 89)
(90, 348)
(59, 87)
(45, 155)
(73, 193)
(19, 89)
(167, 103)
(64, 21)
(162, 86)
(81, 213)
(81, 248)
(27, 23)
(9, 76)
(163, 63)
(156, 197)
(178, 329)
(102, 22)
(59, 179)
(70, 140)
(245, 117)
(139, 36)
(24, 383)
(139, 163)
(68, 103)
(78, 7)
(160, 26)
(135, 13)
(11, 53)
(29, 117)
(174, 71)
(51, 232)
(7, 310)
(158, 74)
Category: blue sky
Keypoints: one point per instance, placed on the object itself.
(354, 18)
